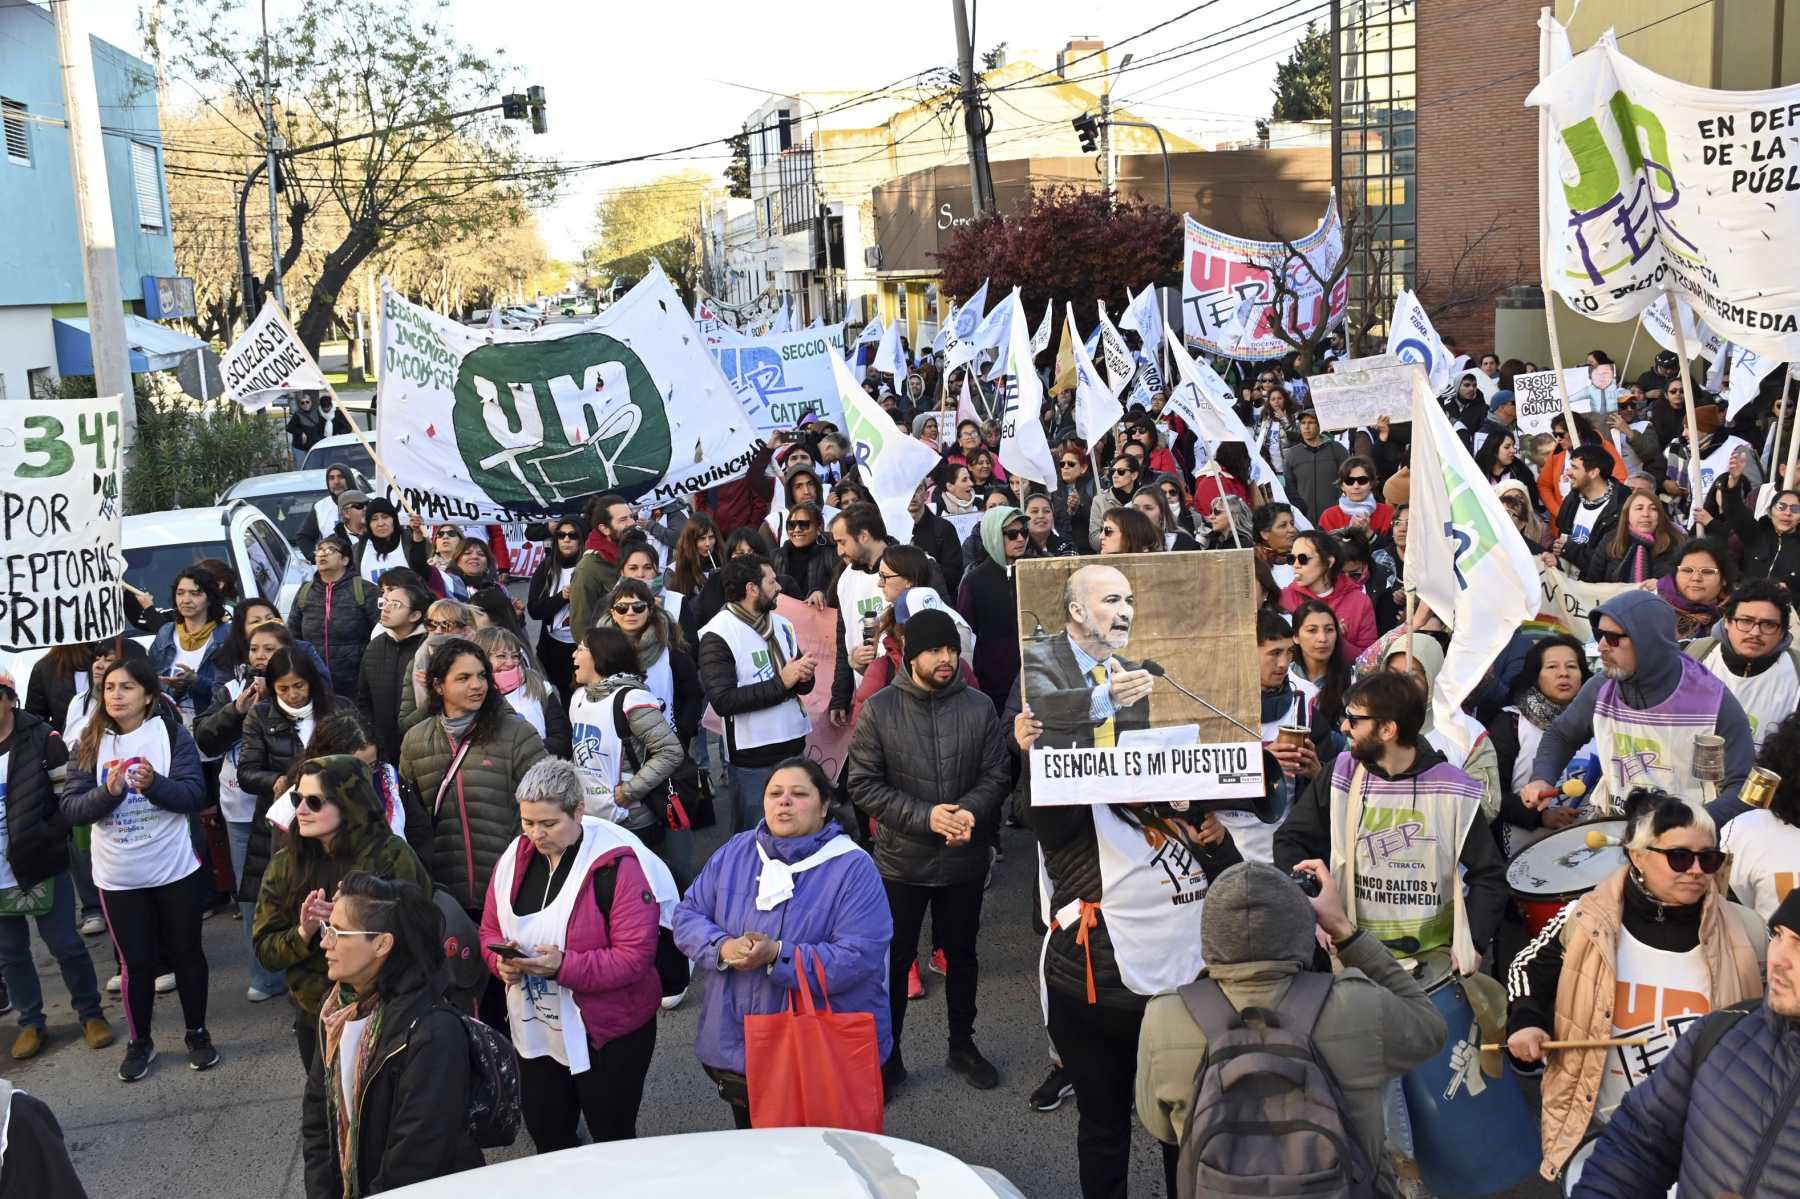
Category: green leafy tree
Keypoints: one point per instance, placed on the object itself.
(737, 173)
(1303, 79)
(656, 220)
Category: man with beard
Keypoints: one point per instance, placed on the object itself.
(1076, 684)
(861, 537)
(1416, 820)
(1643, 711)
(323, 518)
(1755, 658)
(609, 519)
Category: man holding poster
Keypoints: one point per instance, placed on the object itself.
(1086, 694)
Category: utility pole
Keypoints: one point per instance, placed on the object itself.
(981, 183)
(1107, 158)
(272, 145)
(94, 219)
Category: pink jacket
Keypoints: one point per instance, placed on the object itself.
(1356, 615)
(610, 960)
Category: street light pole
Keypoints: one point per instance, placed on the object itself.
(1168, 187)
(272, 146)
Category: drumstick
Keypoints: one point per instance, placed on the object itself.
(1600, 1043)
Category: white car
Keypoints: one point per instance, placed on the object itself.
(342, 449)
(288, 497)
(762, 1163)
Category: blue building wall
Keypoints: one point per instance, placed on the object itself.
(40, 251)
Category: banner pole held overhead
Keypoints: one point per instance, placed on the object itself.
(1687, 396)
(380, 466)
(1544, 184)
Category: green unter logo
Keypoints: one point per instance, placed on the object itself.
(540, 423)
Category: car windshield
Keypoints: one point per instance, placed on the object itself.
(288, 510)
(349, 454)
(153, 568)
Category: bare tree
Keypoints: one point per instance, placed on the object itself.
(1293, 275)
(1480, 271)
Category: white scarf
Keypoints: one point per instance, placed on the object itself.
(296, 714)
(775, 885)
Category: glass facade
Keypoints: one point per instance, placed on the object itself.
(1376, 135)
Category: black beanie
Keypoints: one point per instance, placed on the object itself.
(930, 629)
(1788, 914)
(382, 506)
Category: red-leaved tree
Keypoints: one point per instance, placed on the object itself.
(1066, 244)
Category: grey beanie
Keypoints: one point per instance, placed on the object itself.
(1255, 913)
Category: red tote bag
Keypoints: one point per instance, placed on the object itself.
(813, 1068)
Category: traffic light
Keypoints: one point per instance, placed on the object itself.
(535, 97)
(513, 106)
(1088, 130)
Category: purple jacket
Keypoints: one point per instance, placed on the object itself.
(611, 970)
(838, 915)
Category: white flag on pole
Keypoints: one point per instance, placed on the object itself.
(1024, 449)
(1143, 315)
(871, 333)
(889, 356)
(969, 313)
(965, 410)
(891, 462)
(1412, 339)
(1464, 558)
(1204, 402)
(995, 333)
(1097, 409)
(1120, 365)
(267, 359)
(1040, 341)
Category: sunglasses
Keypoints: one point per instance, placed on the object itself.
(1611, 638)
(1013, 534)
(1784, 507)
(800, 526)
(1068, 465)
(312, 803)
(1358, 481)
(355, 507)
(1302, 559)
(1122, 470)
(636, 608)
(446, 535)
(442, 626)
(566, 535)
(1682, 860)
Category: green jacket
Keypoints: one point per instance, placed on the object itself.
(371, 847)
(592, 582)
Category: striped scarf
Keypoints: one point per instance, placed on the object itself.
(764, 628)
(333, 1015)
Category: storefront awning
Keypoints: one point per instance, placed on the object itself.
(154, 347)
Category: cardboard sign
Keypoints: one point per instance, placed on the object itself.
(1352, 399)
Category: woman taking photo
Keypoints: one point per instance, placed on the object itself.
(1697, 588)
(663, 660)
(1358, 507)
(1321, 662)
(1125, 530)
(1657, 926)
(1554, 670)
(625, 743)
(531, 698)
(1318, 574)
(1643, 548)
(1153, 504)
(338, 826)
(136, 777)
(548, 601)
(1771, 543)
(793, 893)
(184, 649)
(579, 904)
(388, 1090)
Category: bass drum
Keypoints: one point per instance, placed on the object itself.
(1561, 868)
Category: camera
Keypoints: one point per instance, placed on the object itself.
(1308, 883)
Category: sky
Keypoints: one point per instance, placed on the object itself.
(628, 79)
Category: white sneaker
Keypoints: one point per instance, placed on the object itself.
(112, 985)
(93, 926)
(256, 996)
(671, 1002)
(165, 983)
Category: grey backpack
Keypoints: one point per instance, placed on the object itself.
(1267, 1117)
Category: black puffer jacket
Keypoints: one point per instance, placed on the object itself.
(386, 668)
(410, 1120)
(1707, 1128)
(1072, 860)
(37, 837)
(937, 537)
(341, 645)
(271, 746)
(914, 749)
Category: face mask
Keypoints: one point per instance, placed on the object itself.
(508, 680)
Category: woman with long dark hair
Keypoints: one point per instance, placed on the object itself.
(388, 1091)
(696, 556)
(343, 732)
(1323, 663)
(338, 826)
(1319, 574)
(1150, 500)
(1499, 461)
(547, 601)
(1125, 530)
(136, 777)
(664, 660)
(1554, 671)
(275, 733)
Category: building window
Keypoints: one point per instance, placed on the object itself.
(1377, 139)
(18, 131)
(148, 182)
(40, 382)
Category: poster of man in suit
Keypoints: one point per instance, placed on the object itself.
(1109, 644)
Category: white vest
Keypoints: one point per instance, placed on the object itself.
(558, 628)
(1766, 698)
(530, 710)
(1659, 993)
(787, 720)
(597, 747)
(546, 1021)
(858, 595)
(236, 805)
(1765, 859)
(660, 681)
(375, 563)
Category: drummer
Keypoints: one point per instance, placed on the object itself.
(1644, 710)
(1679, 951)
(1555, 670)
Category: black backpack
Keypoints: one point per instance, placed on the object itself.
(492, 1116)
(672, 968)
(1267, 1117)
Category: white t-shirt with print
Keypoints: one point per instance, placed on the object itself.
(138, 844)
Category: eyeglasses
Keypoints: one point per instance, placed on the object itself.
(328, 934)
(1013, 534)
(885, 576)
(1611, 638)
(355, 507)
(1358, 481)
(1750, 624)
(1784, 507)
(1683, 860)
(636, 608)
(313, 803)
(566, 535)
(1697, 572)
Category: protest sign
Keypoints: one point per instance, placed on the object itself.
(1226, 276)
(1657, 185)
(1155, 744)
(709, 319)
(1351, 399)
(1568, 603)
(782, 377)
(815, 629)
(268, 359)
(1538, 401)
(59, 523)
(481, 426)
